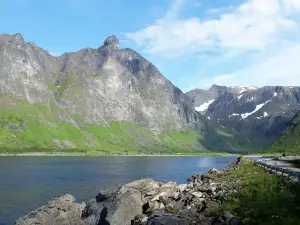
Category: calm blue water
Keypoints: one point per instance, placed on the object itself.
(29, 182)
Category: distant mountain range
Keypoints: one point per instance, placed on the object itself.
(253, 118)
(112, 100)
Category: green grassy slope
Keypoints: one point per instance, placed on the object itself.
(35, 127)
(261, 198)
(289, 141)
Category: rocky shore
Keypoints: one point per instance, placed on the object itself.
(147, 202)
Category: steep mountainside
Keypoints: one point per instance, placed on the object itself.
(105, 99)
(251, 118)
(289, 141)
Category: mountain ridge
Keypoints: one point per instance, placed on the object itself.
(113, 99)
(90, 88)
(254, 117)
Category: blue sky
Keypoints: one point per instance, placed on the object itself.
(194, 43)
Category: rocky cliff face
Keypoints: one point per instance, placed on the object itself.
(25, 69)
(118, 84)
(98, 85)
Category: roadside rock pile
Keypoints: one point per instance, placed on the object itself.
(145, 202)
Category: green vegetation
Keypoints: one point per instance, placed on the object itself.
(289, 142)
(28, 127)
(263, 198)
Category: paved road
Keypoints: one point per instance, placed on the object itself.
(283, 164)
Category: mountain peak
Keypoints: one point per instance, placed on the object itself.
(215, 86)
(18, 37)
(112, 42)
(15, 38)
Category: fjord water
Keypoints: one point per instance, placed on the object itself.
(29, 182)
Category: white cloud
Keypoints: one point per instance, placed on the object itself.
(264, 32)
(220, 10)
(282, 68)
(253, 25)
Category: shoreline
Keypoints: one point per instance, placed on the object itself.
(103, 155)
(145, 201)
(138, 155)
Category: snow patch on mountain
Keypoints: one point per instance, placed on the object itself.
(204, 106)
(240, 97)
(252, 88)
(257, 107)
(275, 94)
(250, 99)
(234, 114)
(243, 89)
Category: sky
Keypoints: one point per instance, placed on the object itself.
(194, 43)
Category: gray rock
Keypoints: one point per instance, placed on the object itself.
(118, 210)
(225, 218)
(140, 220)
(62, 210)
(156, 197)
(182, 187)
(190, 186)
(197, 194)
(167, 219)
(176, 195)
(106, 194)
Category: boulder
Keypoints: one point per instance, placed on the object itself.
(151, 193)
(194, 179)
(225, 218)
(171, 204)
(106, 194)
(140, 219)
(197, 194)
(156, 197)
(176, 195)
(167, 219)
(214, 171)
(190, 186)
(117, 210)
(149, 207)
(181, 187)
(62, 210)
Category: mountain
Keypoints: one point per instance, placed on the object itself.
(107, 99)
(289, 141)
(203, 98)
(249, 118)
